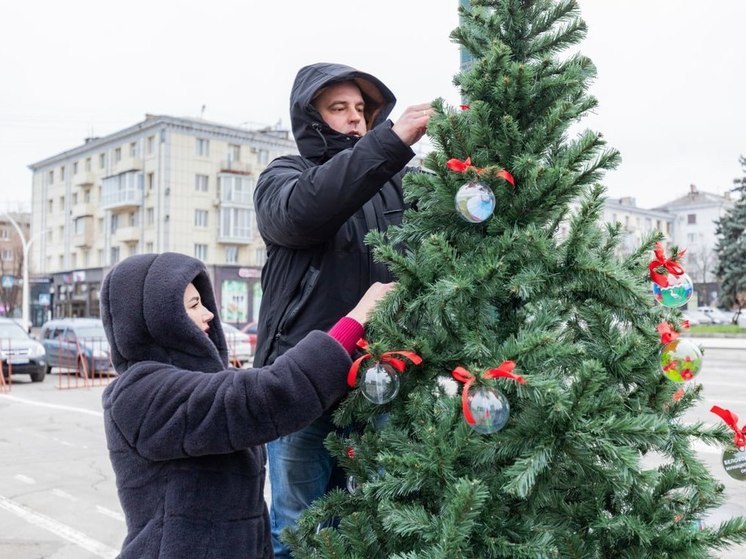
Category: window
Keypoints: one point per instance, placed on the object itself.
(133, 149)
(691, 219)
(150, 144)
(200, 218)
(263, 157)
(4, 235)
(203, 147)
(200, 252)
(75, 198)
(87, 163)
(117, 155)
(62, 202)
(74, 260)
(80, 226)
(235, 223)
(100, 256)
(7, 254)
(134, 218)
(691, 237)
(231, 254)
(51, 177)
(114, 223)
(87, 195)
(236, 189)
(62, 173)
(260, 255)
(149, 216)
(150, 180)
(149, 246)
(101, 160)
(201, 183)
(114, 255)
(50, 206)
(234, 152)
(100, 230)
(75, 168)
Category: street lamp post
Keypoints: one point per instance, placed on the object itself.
(25, 302)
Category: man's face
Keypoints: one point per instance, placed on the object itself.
(341, 106)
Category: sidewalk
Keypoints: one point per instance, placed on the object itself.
(718, 342)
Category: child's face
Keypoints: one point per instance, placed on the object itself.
(196, 310)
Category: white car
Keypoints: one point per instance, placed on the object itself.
(716, 315)
(240, 350)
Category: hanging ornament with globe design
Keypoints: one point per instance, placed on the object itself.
(379, 382)
(486, 409)
(672, 287)
(680, 360)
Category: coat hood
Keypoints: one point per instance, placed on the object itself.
(315, 139)
(142, 308)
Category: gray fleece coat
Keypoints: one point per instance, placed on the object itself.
(184, 431)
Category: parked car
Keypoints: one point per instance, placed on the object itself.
(240, 349)
(250, 329)
(77, 344)
(693, 317)
(703, 319)
(20, 354)
(717, 316)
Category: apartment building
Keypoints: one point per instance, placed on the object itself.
(164, 184)
(694, 216)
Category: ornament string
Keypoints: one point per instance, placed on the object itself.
(662, 266)
(667, 333)
(390, 357)
(505, 370)
(463, 166)
(731, 420)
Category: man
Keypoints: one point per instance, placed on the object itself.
(313, 212)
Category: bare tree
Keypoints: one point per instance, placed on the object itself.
(11, 272)
(701, 263)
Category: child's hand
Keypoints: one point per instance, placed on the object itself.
(365, 306)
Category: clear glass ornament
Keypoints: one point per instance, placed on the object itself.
(475, 202)
(490, 409)
(380, 383)
(677, 293)
(351, 484)
(680, 360)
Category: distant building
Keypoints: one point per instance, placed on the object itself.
(694, 216)
(11, 260)
(164, 184)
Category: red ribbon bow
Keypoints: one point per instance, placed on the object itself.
(505, 370)
(464, 107)
(662, 266)
(463, 166)
(388, 357)
(731, 420)
(667, 334)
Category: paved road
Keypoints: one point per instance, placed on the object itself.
(57, 494)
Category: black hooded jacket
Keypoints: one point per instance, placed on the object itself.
(314, 210)
(184, 431)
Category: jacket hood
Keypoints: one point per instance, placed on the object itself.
(315, 139)
(142, 308)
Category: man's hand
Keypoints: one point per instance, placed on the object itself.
(412, 125)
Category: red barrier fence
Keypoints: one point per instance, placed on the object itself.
(82, 363)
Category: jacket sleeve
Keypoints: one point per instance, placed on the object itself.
(299, 208)
(171, 413)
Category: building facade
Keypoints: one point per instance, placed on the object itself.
(165, 184)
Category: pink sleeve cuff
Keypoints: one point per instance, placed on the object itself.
(347, 331)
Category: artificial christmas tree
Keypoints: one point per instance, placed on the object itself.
(584, 455)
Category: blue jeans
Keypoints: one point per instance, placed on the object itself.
(300, 471)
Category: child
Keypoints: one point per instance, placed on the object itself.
(185, 433)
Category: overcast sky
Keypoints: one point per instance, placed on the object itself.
(671, 74)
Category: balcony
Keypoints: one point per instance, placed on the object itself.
(84, 236)
(236, 167)
(128, 164)
(127, 234)
(84, 178)
(82, 210)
